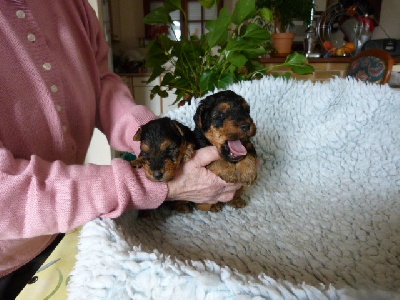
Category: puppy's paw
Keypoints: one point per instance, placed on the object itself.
(217, 207)
(203, 206)
(137, 163)
(246, 170)
(237, 202)
(183, 207)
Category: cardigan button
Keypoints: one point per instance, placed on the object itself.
(54, 88)
(47, 66)
(20, 14)
(31, 37)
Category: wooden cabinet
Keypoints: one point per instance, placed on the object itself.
(141, 91)
(325, 68)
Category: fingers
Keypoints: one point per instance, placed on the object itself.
(205, 156)
(227, 193)
(197, 184)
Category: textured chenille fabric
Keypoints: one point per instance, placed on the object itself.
(55, 89)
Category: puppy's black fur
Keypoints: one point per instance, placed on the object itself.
(223, 120)
(165, 145)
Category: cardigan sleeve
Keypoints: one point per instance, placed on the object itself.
(38, 197)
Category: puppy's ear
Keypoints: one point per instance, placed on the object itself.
(138, 135)
(178, 127)
(199, 116)
(189, 151)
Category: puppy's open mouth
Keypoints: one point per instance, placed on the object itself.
(235, 150)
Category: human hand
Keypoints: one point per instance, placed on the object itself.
(197, 184)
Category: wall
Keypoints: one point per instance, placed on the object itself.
(389, 21)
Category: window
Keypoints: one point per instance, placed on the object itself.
(197, 17)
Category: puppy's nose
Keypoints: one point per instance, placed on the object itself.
(158, 175)
(245, 127)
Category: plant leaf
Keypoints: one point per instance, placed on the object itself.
(156, 55)
(302, 69)
(159, 15)
(237, 59)
(254, 33)
(167, 79)
(157, 71)
(208, 3)
(172, 5)
(237, 45)
(218, 29)
(296, 58)
(287, 75)
(208, 81)
(226, 80)
(266, 14)
(244, 9)
(254, 52)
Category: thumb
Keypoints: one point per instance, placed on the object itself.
(204, 156)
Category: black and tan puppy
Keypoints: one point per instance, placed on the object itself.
(165, 144)
(223, 120)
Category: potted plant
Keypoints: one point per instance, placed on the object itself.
(285, 12)
(229, 52)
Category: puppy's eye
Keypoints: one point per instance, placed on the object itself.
(144, 155)
(220, 116)
(170, 151)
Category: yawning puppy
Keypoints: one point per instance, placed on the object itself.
(223, 120)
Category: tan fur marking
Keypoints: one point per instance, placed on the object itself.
(164, 145)
(144, 147)
(224, 107)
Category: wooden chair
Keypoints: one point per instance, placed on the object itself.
(372, 65)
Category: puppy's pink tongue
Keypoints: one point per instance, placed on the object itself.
(237, 148)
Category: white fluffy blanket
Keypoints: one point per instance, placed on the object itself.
(322, 221)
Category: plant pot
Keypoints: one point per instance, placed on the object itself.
(282, 43)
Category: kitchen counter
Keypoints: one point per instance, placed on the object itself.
(336, 59)
(325, 68)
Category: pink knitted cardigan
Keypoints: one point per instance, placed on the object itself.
(55, 87)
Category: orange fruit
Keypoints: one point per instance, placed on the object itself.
(349, 47)
(339, 52)
(328, 45)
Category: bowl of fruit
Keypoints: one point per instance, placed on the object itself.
(347, 49)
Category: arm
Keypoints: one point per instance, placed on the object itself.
(38, 197)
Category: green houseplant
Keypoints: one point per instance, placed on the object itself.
(229, 52)
(285, 13)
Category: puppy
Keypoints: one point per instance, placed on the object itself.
(165, 144)
(223, 120)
